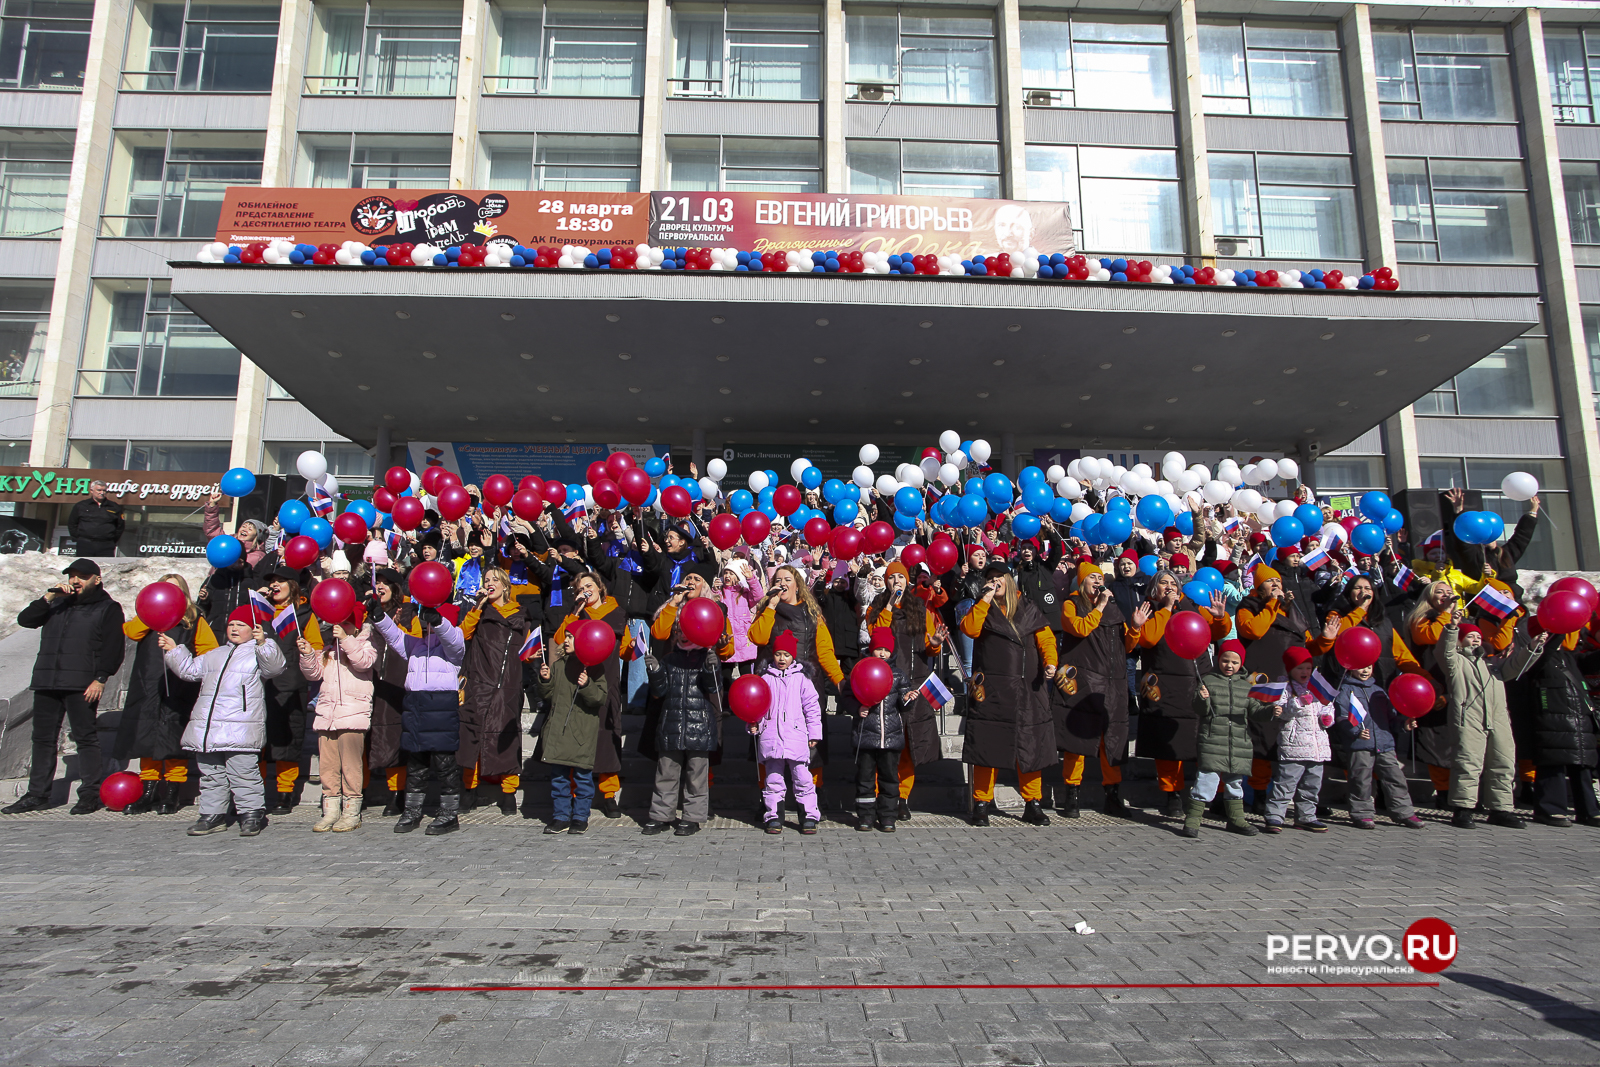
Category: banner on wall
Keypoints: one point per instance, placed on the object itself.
(475, 461)
(759, 222)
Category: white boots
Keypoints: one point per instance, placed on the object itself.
(330, 814)
(339, 814)
(351, 818)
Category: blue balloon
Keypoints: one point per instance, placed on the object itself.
(1184, 522)
(907, 501)
(1310, 517)
(1037, 497)
(669, 480)
(1197, 591)
(385, 521)
(1116, 528)
(770, 512)
(997, 504)
(772, 478)
(1210, 576)
(997, 485)
(1025, 525)
(1154, 512)
(845, 512)
(1148, 565)
(1090, 527)
(655, 494)
(1287, 531)
(319, 530)
(223, 550)
(764, 497)
(811, 477)
(1118, 505)
(973, 487)
(1376, 505)
(741, 501)
(655, 466)
(972, 510)
(1367, 539)
(833, 490)
(1493, 527)
(905, 522)
(238, 482)
(1393, 521)
(290, 516)
(1060, 511)
(1029, 475)
(365, 508)
(692, 487)
(575, 489)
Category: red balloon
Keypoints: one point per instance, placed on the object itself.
(531, 481)
(431, 583)
(750, 697)
(675, 501)
(333, 600)
(592, 642)
(430, 480)
(397, 480)
(1188, 634)
(1563, 612)
(597, 470)
(350, 528)
(301, 551)
(555, 492)
(755, 526)
(871, 680)
(123, 788)
(847, 542)
(607, 495)
(702, 621)
(635, 486)
(931, 453)
(877, 537)
(723, 530)
(1350, 522)
(1573, 584)
(785, 499)
(616, 463)
(1357, 647)
(943, 555)
(498, 490)
(444, 481)
(161, 605)
(817, 531)
(527, 504)
(383, 500)
(407, 514)
(1412, 695)
(454, 502)
(912, 555)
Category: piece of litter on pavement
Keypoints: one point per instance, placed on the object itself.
(1081, 927)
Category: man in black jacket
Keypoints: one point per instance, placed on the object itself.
(80, 648)
(96, 524)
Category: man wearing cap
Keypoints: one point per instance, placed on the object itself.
(80, 648)
(95, 523)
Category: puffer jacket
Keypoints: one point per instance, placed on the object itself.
(433, 661)
(1380, 719)
(345, 700)
(1303, 729)
(883, 726)
(572, 729)
(1224, 738)
(688, 685)
(794, 719)
(739, 602)
(231, 712)
(1476, 695)
(1553, 721)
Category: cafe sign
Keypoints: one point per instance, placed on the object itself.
(68, 486)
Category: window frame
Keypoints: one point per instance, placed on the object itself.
(52, 25)
(893, 90)
(127, 199)
(537, 83)
(141, 369)
(1044, 96)
(718, 88)
(366, 55)
(131, 79)
(27, 383)
(314, 143)
(1249, 97)
(489, 145)
(1386, 108)
(900, 174)
(8, 156)
(1405, 244)
(1448, 392)
(1261, 251)
(722, 157)
(1079, 238)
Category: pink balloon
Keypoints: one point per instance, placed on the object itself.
(161, 605)
(454, 502)
(593, 641)
(723, 530)
(333, 600)
(1412, 695)
(1563, 612)
(702, 621)
(1357, 647)
(123, 788)
(408, 513)
(871, 680)
(498, 490)
(755, 527)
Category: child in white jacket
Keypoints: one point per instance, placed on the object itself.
(228, 726)
(1302, 720)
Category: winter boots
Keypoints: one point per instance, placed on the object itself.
(330, 815)
(1193, 812)
(411, 815)
(350, 817)
(1067, 802)
(145, 803)
(447, 821)
(1236, 820)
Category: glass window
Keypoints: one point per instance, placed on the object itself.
(746, 51)
(1515, 380)
(1460, 211)
(908, 54)
(176, 181)
(154, 346)
(1268, 68)
(564, 163)
(1269, 205)
(743, 164)
(1567, 62)
(199, 47)
(1095, 62)
(1442, 473)
(374, 161)
(1455, 76)
(1123, 199)
(44, 44)
(1349, 472)
(568, 48)
(178, 456)
(1581, 182)
(385, 48)
(347, 462)
(34, 168)
(1591, 340)
(923, 168)
(24, 322)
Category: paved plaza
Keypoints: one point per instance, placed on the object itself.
(125, 942)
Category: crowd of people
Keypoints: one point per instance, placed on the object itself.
(1054, 651)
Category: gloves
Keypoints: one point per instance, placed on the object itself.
(431, 617)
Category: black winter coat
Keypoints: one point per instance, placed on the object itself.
(689, 686)
(1011, 725)
(157, 705)
(1551, 717)
(96, 523)
(81, 639)
(1037, 580)
(1100, 706)
(491, 714)
(882, 727)
(388, 698)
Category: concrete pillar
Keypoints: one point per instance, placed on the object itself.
(1013, 135)
(834, 174)
(383, 451)
(1568, 351)
(1366, 126)
(697, 452)
(69, 302)
(469, 90)
(1008, 454)
(1184, 29)
(657, 64)
(1400, 450)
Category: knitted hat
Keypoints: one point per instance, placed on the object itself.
(1236, 647)
(785, 642)
(1307, 543)
(1295, 655)
(1130, 554)
(1288, 550)
(1224, 567)
(975, 548)
(1180, 559)
(249, 614)
(882, 637)
(1470, 628)
(1172, 533)
(1086, 569)
(1258, 538)
(896, 568)
(1264, 573)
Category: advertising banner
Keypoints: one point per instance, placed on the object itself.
(475, 461)
(64, 486)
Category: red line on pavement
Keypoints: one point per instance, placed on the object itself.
(852, 986)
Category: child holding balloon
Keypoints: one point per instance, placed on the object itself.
(343, 716)
(880, 737)
(571, 732)
(787, 737)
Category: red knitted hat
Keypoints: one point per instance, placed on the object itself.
(1236, 647)
(785, 642)
(1295, 655)
(882, 637)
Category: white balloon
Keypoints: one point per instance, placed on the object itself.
(869, 454)
(1171, 471)
(1075, 469)
(1186, 482)
(716, 469)
(1089, 467)
(1174, 458)
(865, 497)
(930, 467)
(1267, 470)
(915, 477)
(1251, 475)
(416, 482)
(887, 484)
(1283, 509)
(1164, 487)
(588, 496)
(1142, 470)
(959, 458)
(798, 467)
(1519, 485)
(1069, 489)
(1130, 480)
(949, 441)
(1200, 470)
(980, 451)
(1054, 474)
(331, 484)
(1080, 510)
(1247, 500)
(708, 487)
(1265, 514)
(1288, 469)
(758, 481)
(948, 474)
(312, 465)
(862, 476)
(1175, 502)
(1217, 492)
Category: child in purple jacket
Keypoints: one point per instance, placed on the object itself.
(787, 736)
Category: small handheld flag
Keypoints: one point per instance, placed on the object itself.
(1314, 559)
(259, 601)
(1321, 688)
(1358, 714)
(392, 542)
(533, 646)
(1268, 692)
(285, 622)
(1231, 524)
(1494, 602)
(935, 692)
(1405, 579)
(321, 500)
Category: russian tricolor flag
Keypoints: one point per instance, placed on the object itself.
(1405, 578)
(935, 692)
(1314, 559)
(1499, 604)
(1323, 689)
(1268, 692)
(285, 623)
(533, 646)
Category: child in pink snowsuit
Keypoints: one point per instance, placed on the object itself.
(787, 736)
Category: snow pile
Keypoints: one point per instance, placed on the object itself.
(25, 577)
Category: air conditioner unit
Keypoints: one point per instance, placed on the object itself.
(1041, 98)
(872, 92)
(1226, 247)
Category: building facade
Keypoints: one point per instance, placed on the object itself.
(1458, 144)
